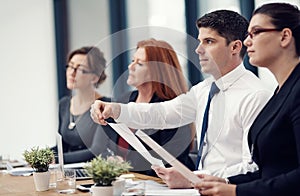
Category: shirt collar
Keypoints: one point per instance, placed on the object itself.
(227, 80)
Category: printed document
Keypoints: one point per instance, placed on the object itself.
(129, 136)
(188, 174)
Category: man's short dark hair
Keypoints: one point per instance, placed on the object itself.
(229, 24)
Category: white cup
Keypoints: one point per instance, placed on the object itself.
(118, 186)
(4, 159)
(137, 188)
(66, 181)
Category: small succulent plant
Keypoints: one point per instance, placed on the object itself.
(39, 158)
(105, 170)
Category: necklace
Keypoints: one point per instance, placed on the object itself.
(73, 123)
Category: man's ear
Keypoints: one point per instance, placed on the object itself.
(236, 46)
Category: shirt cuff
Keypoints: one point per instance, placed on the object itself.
(227, 181)
(123, 113)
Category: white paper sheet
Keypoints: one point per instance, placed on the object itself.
(156, 189)
(153, 188)
(172, 192)
(188, 174)
(129, 136)
(20, 171)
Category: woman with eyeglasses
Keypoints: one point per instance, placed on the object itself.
(82, 138)
(273, 42)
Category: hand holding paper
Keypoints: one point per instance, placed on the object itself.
(188, 174)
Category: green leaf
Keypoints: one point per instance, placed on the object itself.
(104, 171)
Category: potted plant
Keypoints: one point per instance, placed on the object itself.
(39, 159)
(104, 172)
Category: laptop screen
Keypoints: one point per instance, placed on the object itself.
(80, 172)
(60, 151)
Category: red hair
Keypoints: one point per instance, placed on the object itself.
(166, 74)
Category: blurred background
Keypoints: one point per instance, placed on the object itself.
(36, 37)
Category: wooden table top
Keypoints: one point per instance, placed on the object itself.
(24, 185)
(21, 185)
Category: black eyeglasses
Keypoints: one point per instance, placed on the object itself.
(78, 69)
(255, 32)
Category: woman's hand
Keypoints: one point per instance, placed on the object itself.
(215, 186)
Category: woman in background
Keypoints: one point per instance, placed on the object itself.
(82, 138)
(156, 74)
(273, 42)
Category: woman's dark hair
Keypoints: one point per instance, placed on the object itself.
(95, 60)
(229, 24)
(283, 15)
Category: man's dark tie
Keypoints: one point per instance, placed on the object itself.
(213, 90)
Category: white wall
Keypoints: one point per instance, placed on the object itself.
(28, 100)
(89, 26)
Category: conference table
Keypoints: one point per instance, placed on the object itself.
(24, 185)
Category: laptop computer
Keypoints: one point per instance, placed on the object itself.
(80, 171)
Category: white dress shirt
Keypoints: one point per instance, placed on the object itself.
(232, 112)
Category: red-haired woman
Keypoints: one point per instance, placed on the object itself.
(156, 74)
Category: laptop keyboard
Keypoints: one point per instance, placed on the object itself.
(81, 174)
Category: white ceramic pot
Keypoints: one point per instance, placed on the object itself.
(102, 190)
(41, 180)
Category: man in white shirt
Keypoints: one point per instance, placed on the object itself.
(232, 110)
